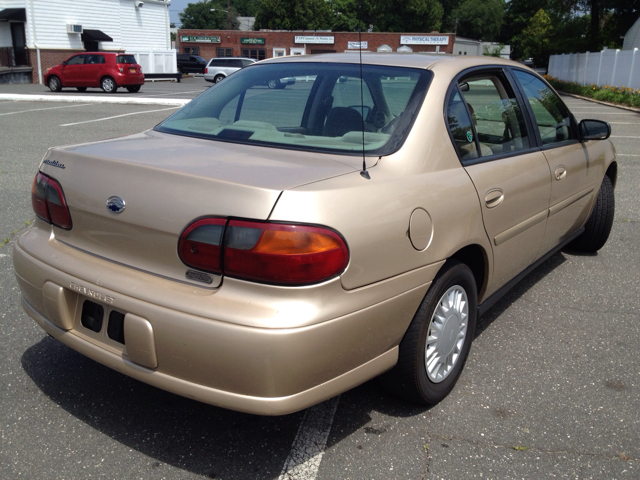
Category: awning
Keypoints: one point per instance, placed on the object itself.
(16, 14)
(95, 36)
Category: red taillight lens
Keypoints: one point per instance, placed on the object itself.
(200, 244)
(206, 70)
(48, 201)
(283, 254)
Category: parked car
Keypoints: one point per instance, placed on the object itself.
(105, 70)
(220, 68)
(190, 63)
(264, 250)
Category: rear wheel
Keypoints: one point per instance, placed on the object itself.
(134, 89)
(218, 78)
(274, 83)
(54, 84)
(81, 89)
(597, 229)
(108, 85)
(437, 343)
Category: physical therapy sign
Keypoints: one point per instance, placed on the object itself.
(424, 40)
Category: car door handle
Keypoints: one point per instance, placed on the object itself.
(493, 198)
(560, 172)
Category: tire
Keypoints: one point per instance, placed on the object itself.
(218, 78)
(108, 85)
(274, 83)
(598, 226)
(133, 89)
(81, 89)
(55, 85)
(413, 378)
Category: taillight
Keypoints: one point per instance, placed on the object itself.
(48, 201)
(200, 244)
(265, 252)
(206, 70)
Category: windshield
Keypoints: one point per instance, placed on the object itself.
(308, 106)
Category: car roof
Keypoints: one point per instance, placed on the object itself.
(413, 60)
(234, 58)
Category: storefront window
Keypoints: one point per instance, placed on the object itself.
(257, 53)
(225, 52)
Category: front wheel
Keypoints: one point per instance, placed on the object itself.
(134, 89)
(437, 343)
(274, 83)
(108, 85)
(598, 226)
(55, 85)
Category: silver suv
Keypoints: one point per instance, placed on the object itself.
(220, 68)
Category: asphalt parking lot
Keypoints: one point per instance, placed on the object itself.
(551, 388)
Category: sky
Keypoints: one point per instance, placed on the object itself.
(176, 7)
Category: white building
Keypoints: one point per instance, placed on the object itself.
(42, 33)
(632, 38)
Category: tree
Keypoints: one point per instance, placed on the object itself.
(246, 8)
(480, 19)
(534, 41)
(293, 15)
(208, 15)
(406, 16)
(347, 16)
(492, 51)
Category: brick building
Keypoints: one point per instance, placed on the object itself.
(268, 44)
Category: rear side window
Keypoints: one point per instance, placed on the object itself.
(552, 117)
(460, 127)
(235, 63)
(130, 59)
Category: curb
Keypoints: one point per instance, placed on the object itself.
(608, 104)
(94, 99)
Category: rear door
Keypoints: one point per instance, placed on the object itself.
(575, 177)
(510, 174)
(93, 69)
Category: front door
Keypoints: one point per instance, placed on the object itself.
(72, 73)
(19, 44)
(574, 175)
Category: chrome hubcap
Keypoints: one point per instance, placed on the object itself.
(447, 331)
(107, 85)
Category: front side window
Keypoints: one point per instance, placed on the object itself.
(551, 114)
(77, 60)
(320, 111)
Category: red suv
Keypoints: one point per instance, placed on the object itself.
(105, 70)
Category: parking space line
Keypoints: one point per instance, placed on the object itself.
(308, 447)
(623, 123)
(118, 116)
(173, 93)
(624, 136)
(626, 155)
(605, 113)
(48, 108)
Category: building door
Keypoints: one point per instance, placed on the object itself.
(19, 45)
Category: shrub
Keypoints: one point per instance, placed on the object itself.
(620, 95)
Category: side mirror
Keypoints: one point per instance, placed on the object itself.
(64, 63)
(464, 87)
(594, 130)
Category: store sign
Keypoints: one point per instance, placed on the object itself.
(424, 40)
(253, 41)
(199, 39)
(313, 39)
(357, 45)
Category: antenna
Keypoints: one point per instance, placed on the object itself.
(364, 173)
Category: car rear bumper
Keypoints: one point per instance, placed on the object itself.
(128, 79)
(267, 371)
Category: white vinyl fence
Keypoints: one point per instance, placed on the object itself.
(156, 61)
(619, 68)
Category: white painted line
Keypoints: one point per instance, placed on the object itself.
(626, 155)
(47, 108)
(624, 123)
(117, 116)
(122, 100)
(609, 113)
(174, 93)
(623, 136)
(308, 447)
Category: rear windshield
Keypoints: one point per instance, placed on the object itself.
(125, 59)
(308, 106)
